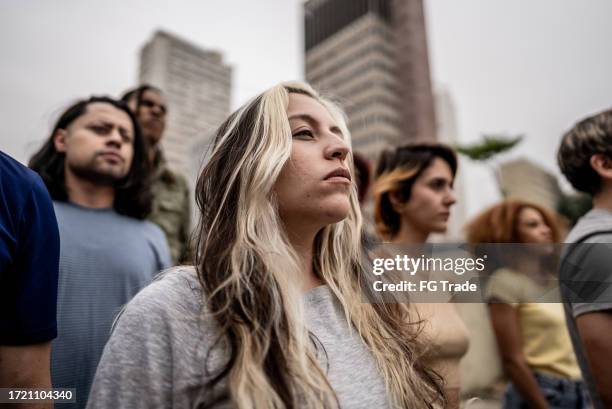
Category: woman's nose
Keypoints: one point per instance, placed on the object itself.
(337, 149)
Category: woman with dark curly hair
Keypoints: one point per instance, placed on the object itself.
(532, 337)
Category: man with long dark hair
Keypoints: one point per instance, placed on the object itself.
(171, 207)
(94, 167)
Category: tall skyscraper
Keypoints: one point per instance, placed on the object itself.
(371, 55)
(448, 133)
(197, 85)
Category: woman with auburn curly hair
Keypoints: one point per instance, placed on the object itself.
(413, 195)
(272, 314)
(533, 341)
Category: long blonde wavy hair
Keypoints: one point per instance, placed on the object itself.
(250, 275)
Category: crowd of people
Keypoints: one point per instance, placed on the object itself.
(105, 289)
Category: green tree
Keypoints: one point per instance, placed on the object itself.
(574, 206)
(488, 151)
(489, 147)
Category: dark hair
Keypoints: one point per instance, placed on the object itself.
(362, 167)
(413, 159)
(588, 137)
(137, 93)
(133, 196)
(500, 224)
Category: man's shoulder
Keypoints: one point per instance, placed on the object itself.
(179, 178)
(584, 268)
(24, 196)
(154, 231)
(593, 227)
(171, 178)
(16, 176)
(14, 168)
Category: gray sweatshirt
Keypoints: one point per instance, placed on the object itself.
(161, 353)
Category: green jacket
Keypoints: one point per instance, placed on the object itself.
(172, 209)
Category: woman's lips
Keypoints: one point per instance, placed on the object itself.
(339, 173)
(338, 179)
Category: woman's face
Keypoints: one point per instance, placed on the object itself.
(532, 227)
(314, 185)
(431, 198)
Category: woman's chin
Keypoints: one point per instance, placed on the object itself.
(439, 228)
(336, 212)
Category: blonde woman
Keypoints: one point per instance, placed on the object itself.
(413, 196)
(272, 314)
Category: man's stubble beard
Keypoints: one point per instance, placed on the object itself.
(91, 173)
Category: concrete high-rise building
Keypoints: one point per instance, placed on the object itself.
(446, 124)
(523, 179)
(197, 85)
(417, 113)
(371, 55)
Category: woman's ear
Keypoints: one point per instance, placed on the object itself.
(397, 201)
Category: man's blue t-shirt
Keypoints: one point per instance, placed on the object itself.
(105, 259)
(29, 257)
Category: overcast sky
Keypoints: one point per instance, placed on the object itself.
(515, 66)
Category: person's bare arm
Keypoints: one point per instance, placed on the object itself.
(508, 334)
(595, 329)
(25, 366)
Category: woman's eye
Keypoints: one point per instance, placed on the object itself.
(437, 185)
(305, 133)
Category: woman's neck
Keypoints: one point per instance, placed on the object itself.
(303, 244)
(409, 234)
(529, 265)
